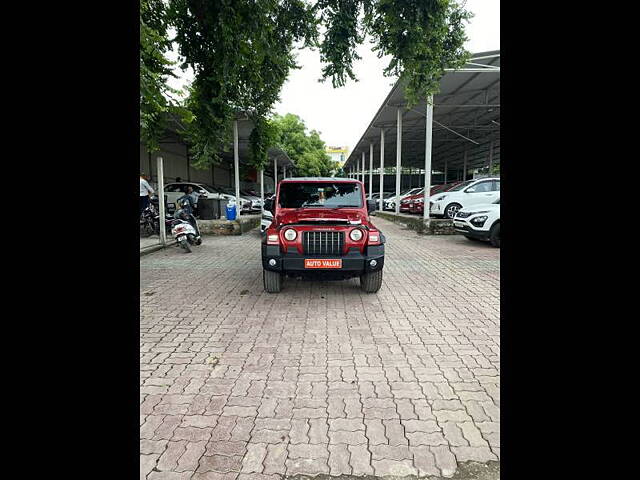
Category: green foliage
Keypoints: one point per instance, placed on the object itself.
(241, 52)
(422, 38)
(306, 150)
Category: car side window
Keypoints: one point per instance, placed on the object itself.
(496, 186)
(172, 188)
(481, 187)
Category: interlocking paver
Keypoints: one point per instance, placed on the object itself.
(240, 384)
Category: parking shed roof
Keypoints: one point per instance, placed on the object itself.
(466, 118)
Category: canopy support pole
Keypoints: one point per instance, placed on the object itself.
(427, 159)
(398, 157)
(381, 206)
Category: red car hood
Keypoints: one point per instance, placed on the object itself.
(321, 215)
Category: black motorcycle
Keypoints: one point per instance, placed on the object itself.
(149, 220)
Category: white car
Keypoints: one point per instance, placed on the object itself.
(480, 222)
(267, 218)
(175, 190)
(466, 194)
(390, 203)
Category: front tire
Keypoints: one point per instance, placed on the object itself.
(371, 282)
(494, 235)
(272, 281)
(451, 210)
(185, 244)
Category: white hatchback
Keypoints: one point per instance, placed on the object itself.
(466, 194)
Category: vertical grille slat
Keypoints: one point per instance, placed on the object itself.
(323, 243)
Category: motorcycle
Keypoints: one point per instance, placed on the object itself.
(184, 228)
(149, 220)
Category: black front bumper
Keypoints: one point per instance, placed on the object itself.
(469, 232)
(353, 263)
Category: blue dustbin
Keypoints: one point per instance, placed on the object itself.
(231, 212)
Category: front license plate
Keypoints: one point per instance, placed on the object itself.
(322, 263)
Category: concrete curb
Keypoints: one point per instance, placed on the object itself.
(436, 226)
(151, 249)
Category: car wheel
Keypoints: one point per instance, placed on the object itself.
(371, 282)
(494, 235)
(272, 281)
(451, 210)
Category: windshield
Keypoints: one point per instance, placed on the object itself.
(320, 195)
(461, 186)
(208, 188)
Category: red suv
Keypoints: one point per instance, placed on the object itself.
(321, 229)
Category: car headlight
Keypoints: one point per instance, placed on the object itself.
(420, 200)
(290, 234)
(479, 221)
(439, 198)
(355, 234)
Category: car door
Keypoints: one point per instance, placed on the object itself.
(173, 191)
(485, 191)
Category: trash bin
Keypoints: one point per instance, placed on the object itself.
(208, 208)
(231, 211)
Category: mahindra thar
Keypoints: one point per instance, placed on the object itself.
(321, 229)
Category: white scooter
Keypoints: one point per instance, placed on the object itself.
(185, 228)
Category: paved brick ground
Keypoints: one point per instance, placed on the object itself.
(321, 378)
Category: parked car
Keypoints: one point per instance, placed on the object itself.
(385, 196)
(417, 205)
(267, 216)
(466, 194)
(321, 229)
(480, 222)
(175, 190)
(390, 203)
(250, 203)
(406, 201)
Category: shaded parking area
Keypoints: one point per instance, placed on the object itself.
(321, 378)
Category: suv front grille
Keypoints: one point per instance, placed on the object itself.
(322, 243)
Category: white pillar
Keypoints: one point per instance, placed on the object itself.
(371, 168)
(275, 174)
(445, 170)
(163, 231)
(490, 157)
(262, 189)
(464, 172)
(362, 178)
(398, 157)
(427, 157)
(381, 169)
(236, 167)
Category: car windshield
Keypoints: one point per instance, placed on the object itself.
(208, 188)
(461, 186)
(320, 195)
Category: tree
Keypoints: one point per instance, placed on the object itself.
(306, 151)
(242, 51)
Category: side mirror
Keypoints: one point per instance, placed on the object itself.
(268, 204)
(372, 206)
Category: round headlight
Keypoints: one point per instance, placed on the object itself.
(356, 234)
(290, 234)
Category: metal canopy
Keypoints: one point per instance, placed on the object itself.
(466, 118)
(245, 127)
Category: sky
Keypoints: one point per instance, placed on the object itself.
(341, 115)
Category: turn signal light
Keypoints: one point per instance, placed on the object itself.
(273, 239)
(374, 238)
